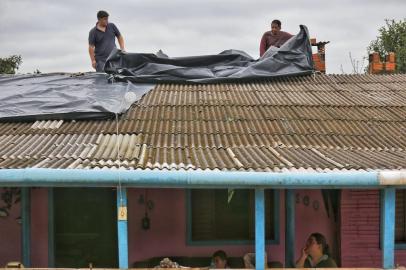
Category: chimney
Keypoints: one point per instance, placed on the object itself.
(377, 67)
(390, 64)
(319, 58)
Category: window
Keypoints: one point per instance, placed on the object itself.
(400, 227)
(212, 218)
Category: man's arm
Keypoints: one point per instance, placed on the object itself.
(119, 36)
(121, 42)
(91, 54)
(92, 44)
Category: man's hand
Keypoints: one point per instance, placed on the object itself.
(94, 64)
(121, 43)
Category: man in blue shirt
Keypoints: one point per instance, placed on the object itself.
(102, 40)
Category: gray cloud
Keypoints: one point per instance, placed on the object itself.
(52, 35)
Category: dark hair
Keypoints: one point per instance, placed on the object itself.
(321, 240)
(277, 22)
(102, 14)
(221, 254)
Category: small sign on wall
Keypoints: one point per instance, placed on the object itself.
(122, 213)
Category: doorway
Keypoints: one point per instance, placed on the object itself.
(85, 227)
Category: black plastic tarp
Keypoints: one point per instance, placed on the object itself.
(131, 75)
(291, 59)
(65, 96)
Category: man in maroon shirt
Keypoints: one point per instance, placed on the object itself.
(275, 37)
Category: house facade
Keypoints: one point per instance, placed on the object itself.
(318, 125)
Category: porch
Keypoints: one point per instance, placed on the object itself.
(387, 182)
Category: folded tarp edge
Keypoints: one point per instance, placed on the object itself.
(294, 58)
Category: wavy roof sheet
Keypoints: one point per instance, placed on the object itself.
(320, 122)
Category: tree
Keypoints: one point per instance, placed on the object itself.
(392, 38)
(10, 64)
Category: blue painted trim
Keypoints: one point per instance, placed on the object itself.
(51, 229)
(225, 243)
(26, 226)
(122, 230)
(388, 201)
(259, 229)
(184, 179)
(290, 204)
(190, 242)
(400, 246)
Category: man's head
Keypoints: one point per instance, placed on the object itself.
(219, 259)
(276, 26)
(102, 18)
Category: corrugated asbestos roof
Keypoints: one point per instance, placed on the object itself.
(322, 122)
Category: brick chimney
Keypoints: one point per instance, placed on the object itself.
(319, 58)
(377, 67)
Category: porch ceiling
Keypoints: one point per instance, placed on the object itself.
(323, 122)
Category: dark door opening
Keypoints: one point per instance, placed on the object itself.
(85, 227)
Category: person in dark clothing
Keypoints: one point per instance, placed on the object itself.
(316, 253)
(219, 260)
(102, 40)
(275, 37)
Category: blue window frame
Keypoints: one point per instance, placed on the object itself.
(213, 219)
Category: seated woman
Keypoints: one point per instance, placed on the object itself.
(219, 260)
(316, 253)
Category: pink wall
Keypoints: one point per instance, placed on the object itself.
(10, 232)
(309, 220)
(39, 227)
(360, 230)
(167, 235)
(10, 236)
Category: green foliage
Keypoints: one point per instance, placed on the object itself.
(392, 38)
(8, 197)
(10, 64)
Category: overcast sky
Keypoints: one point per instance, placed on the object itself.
(52, 35)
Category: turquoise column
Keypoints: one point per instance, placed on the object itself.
(26, 226)
(290, 228)
(388, 200)
(259, 229)
(122, 230)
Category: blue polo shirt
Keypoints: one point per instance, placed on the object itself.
(104, 42)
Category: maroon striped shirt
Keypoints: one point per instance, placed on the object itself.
(268, 39)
